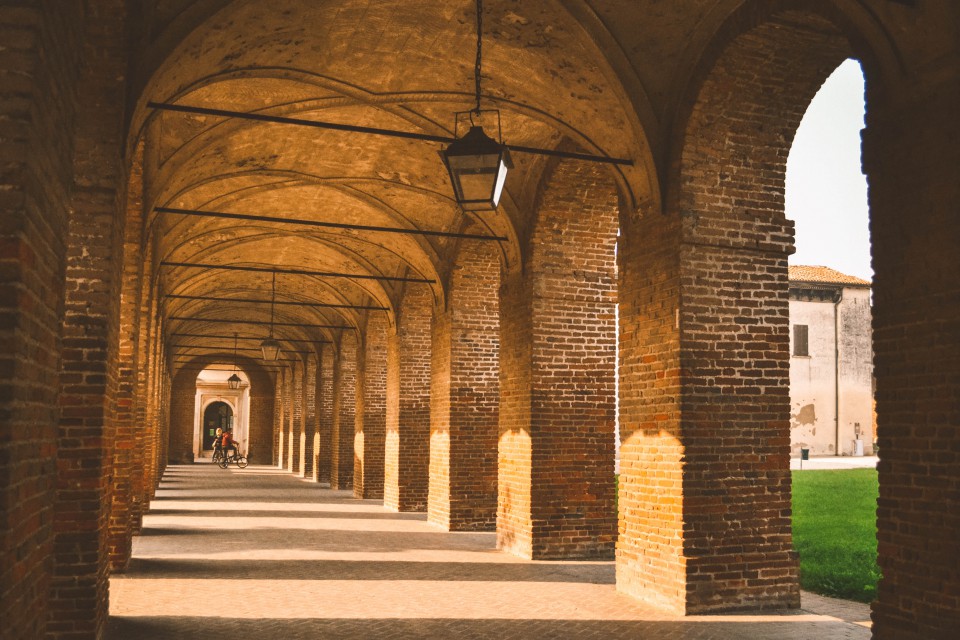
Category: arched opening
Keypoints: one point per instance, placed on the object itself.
(219, 406)
(218, 416)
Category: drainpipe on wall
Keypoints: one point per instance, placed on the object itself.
(838, 298)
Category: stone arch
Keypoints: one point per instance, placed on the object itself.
(705, 362)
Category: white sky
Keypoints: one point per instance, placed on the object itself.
(826, 194)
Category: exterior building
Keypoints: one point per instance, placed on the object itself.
(831, 363)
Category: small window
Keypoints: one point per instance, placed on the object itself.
(800, 343)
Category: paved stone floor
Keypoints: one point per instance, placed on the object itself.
(260, 553)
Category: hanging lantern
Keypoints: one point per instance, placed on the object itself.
(478, 167)
(270, 348)
(234, 381)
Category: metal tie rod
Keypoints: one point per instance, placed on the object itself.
(296, 272)
(257, 338)
(262, 322)
(409, 135)
(323, 305)
(331, 225)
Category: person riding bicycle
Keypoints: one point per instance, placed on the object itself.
(228, 443)
(217, 448)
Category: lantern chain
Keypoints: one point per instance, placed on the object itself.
(476, 70)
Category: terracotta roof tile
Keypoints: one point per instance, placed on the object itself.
(826, 275)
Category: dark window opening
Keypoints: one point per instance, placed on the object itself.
(800, 344)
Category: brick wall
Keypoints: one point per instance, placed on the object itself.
(37, 72)
(344, 408)
(183, 401)
(558, 350)
(260, 447)
(371, 409)
(914, 189)
(278, 423)
(407, 448)
(465, 394)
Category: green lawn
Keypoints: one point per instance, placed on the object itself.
(835, 532)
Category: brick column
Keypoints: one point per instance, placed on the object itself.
(344, 410)
(913, 165)
(36, 107)
(371, 413)
(294, 416)
(128, 459)
(260, 445)
(280, 406)
(90, 331)
(308, 437)
(407, 455)
(325, 390)
(465, 395)
(558, 361)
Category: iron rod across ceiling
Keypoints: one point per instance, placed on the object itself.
(218, 348)
(332, 225)
(323, 305)
(409, 135)
(296, 272)
(256, 338)
(262, 322)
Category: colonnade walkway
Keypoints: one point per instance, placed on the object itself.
(259, 553)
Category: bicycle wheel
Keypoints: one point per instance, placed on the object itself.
(217, 456)
(242, 462)
(222, 462)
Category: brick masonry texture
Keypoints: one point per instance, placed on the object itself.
(36, 99)
(407, 446)
(485, 396)
(371, 410)
(558, 340)
(465, 394)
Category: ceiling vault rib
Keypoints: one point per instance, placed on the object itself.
(323, 305)
(299, 272)
(331, 225)
(262, 322)
(261, 117)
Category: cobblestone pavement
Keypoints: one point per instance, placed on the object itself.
(260, 553)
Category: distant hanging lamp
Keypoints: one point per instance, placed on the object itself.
(234, 381)
(477, 163)
(270, 347)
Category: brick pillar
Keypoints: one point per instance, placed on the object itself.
(323, 443)
(147, 431)
(308, 437)
(407, 449)
(705, 341)
(344, 410)
(371, 412)
(128, 458)
(36, 107)
(913, 165)
(558, 361)
(90, 331)
(280, 403)
(464, 394)
(294, 416)
(260, 445)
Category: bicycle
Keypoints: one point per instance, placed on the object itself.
(236, 457)
(217, 455)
